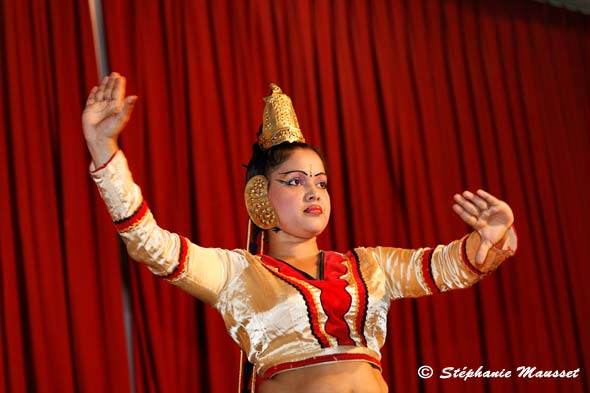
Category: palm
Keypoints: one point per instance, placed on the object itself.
(488, 215)
(493, 222)
(107, 111)
(100, 119)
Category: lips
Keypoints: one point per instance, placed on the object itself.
(314, 209)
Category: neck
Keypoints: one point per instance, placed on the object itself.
(289, 248)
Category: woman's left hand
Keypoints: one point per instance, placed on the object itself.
(488, 215)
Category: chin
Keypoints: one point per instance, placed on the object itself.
(304, 228)
(304, 233)
(314, 231)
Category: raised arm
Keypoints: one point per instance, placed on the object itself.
(202, 272)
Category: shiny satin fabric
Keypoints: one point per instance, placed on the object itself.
(279, 317)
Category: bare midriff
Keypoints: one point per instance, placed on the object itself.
(339, 377)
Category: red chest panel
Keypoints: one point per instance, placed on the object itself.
(336, 302)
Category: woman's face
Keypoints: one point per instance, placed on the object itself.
(299, 195)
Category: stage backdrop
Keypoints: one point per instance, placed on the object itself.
(412, 101)
(61, 320)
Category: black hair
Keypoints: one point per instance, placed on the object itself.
(263, 161)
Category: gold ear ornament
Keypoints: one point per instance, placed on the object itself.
(259, 208)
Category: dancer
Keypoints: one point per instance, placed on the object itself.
(308, 320)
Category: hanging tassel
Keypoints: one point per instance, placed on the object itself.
(247, 377)
(247, 382)
(252, 246)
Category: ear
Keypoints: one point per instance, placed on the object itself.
(259, 208)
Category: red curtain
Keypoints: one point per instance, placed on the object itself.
(412, 101)
(61, 314)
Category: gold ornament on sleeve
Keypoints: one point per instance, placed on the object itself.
(279, 122)
(259, 208)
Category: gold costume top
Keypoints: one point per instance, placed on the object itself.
(281, 317)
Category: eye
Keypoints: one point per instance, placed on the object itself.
(323, 185)
(291, 182)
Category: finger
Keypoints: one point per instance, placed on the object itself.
(129, 104)
(125, 113)
(482, 252)
(92, 96)
(119, 87)
(99, 95)
(104, 80)
(467, 205)
(476, 200)
(489, 198)
(108, 91)
(465, 216)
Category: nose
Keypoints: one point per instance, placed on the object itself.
(312, 194)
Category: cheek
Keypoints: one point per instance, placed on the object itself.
(277, 199)
(328, 203)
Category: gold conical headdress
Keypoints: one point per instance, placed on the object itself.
(279, 122)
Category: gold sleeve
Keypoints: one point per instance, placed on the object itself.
(202, 272)
(426, 271)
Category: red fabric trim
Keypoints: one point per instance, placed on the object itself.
(427, 272)
(361, 288)
(126, 223)
(105, 164)
(182, 258)
(308, 297)
(318, 360)
(465, 259)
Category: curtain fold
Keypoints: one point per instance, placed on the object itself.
(412, 101)
(61, 326)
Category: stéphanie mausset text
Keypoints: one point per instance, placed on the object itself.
(466, 373)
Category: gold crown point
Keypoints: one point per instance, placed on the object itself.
(275, 89)
(279, 122)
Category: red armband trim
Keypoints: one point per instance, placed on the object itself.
(427, 271)
(182, 258)
(105, 164)
(128, 223)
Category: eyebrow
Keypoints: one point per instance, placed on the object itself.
(303, 172)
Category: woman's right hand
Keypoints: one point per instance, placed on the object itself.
(106, 113)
